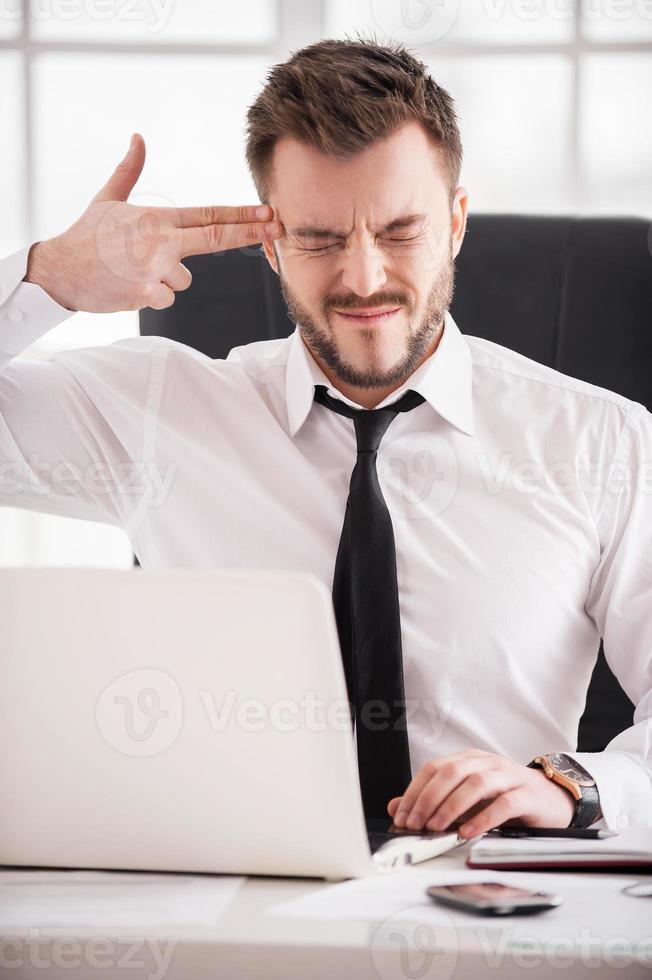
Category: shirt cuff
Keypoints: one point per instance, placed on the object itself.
(26, 310)
(624, 787)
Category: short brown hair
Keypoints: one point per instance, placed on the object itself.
(339, 96)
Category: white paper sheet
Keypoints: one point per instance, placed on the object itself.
(592, 908)
(112, 899)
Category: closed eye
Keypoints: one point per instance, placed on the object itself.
(325, 248)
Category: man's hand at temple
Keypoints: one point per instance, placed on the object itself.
(119, 256)
(478, 791)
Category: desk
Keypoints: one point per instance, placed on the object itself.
(247, 943)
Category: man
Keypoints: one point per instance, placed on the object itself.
(476, 548)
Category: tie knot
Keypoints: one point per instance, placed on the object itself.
(370, 424)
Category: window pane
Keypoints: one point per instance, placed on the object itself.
(615, 138)
(416, 22)
(226, 22)
(30, 538)
(12, 161)
(515, 136)
(27, 537)
(191, 114)
(10, 19)
(617, 20)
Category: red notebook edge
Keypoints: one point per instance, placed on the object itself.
(562, 865)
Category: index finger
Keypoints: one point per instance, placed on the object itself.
(221, 238)
(469, 760)
(199, 217)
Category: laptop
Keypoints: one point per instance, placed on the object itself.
(182, 720)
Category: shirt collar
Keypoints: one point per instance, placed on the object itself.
(444, 379)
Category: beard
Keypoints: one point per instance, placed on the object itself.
(421, 335)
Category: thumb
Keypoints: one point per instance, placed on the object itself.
(121, 182)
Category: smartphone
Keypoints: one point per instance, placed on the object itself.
(493, 898)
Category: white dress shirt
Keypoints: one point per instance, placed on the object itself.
(520, 498)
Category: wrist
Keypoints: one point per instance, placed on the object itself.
(573, 778)
(44, 271)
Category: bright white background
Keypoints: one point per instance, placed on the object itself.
(553, 98)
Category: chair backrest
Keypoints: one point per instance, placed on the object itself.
(572, 293)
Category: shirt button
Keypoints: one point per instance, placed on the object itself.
(622, 820)
(15, 316)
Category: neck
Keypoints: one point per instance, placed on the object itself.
(370, 397)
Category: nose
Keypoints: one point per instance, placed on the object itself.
(363, 268)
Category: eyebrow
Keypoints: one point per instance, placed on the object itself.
(403, 222)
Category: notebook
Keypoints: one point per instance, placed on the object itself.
(629, 849)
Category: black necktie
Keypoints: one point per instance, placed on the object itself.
(365, 598)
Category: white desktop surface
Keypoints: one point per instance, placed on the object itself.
(248, 940)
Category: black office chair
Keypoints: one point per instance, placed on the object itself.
(572, 293)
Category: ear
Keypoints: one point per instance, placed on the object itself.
(459, 215)
(270, 255)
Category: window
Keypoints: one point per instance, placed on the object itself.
(552, 97)
(552, 94)
(73, 87)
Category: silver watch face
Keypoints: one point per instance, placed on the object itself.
(563, 763)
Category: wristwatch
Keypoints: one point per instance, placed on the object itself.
(563, 769)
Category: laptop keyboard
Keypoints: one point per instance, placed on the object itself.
(379, 832)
